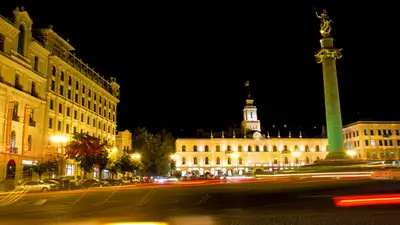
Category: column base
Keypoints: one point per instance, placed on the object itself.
(337, 156)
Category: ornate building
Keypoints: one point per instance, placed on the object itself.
(252, 152)
(23, 69)
(47, 94)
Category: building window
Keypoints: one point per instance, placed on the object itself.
(68, 112)
(195, 161)
(60, 108)
(366, 143)
(70, 170)
(206, 149)
(50, 123)
(228, 148)
(218, 148)
(317, 148)
(51, 104)
(67, 129)
(75, 115)
(240, 161)
(2, 39)
(29, 142)
(13, 142)
(257, 148)
(76, 98)
(240, 148)
(59, 126)
(54, 71)
(229, 161)
(307, 149)
(36, 63)
(53, 85)
(83, 89)
(77, 85)
(195, 148)
(21, 40)
(69, 94)
(61, 90)
(183, 161)
(69, 80)
(183, 146)
(206, 161)
(286, 160)
(62, 76)
(218, 161)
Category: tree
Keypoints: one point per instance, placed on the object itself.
(101, 159)
(44, 166)
(113, 165)
(155, 150)
(128, 165)
(86, 150)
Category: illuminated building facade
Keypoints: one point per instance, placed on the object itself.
(254, 152)
(23, 69)
(123, 142)
(373, 140)
(78, 99)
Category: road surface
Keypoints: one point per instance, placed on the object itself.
(229, 203)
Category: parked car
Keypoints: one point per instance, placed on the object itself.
(94, 183)
(34, 186)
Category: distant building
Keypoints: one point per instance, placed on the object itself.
(23, 70)
(124, 142)
(373, 140)
(245, 150)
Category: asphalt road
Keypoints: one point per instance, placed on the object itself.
(229, 203)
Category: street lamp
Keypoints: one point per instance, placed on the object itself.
(135, 156)
(351, 153)
(59, 139)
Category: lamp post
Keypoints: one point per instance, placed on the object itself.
(59, 139)
(135, 156)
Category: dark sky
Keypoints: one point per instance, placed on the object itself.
(182, 64)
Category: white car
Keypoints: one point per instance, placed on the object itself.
(33, 186)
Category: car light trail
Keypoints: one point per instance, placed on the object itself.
(349, 201)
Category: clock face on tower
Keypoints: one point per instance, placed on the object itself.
(257, 135)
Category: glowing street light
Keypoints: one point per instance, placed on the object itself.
(173, 156)
(351, 153)
(59, 139)
(135, 156)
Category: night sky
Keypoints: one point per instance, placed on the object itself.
(182, 64)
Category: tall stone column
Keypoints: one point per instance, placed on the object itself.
(8, 123)
(328, 55)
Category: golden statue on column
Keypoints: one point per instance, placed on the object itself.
(325, 27)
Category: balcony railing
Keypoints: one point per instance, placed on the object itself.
(32, 123)
(14, 150)
(18, 86)
(15, 118)
(35, 94)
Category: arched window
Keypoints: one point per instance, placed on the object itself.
(206, 149)
(240, 148)
(195, 148)
(195, 161)
(229, 161)
(265, 148)
(206, 161)
(317, 148)
(275, 161)
(318, 158)
(21, 40)
(307, 160)
(286, 161)
(297, 161)
(218, 148)
(274, 148)
(285, 148)
(249, 148)
(53, 71)
(240, 161)
(218, 161)
(183, 148)
(257, 148)
(229, 148)
(296, 148)
(13, 141)
(307, 149)
(183, 161)
(29, 142)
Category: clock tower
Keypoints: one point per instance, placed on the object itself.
(250, 120)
